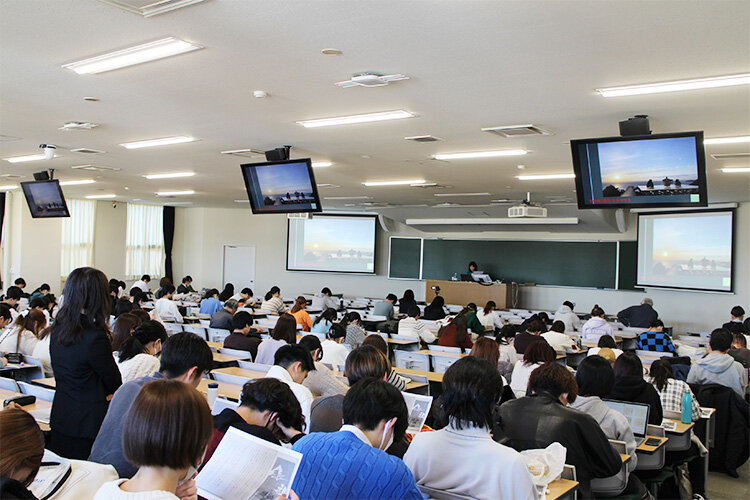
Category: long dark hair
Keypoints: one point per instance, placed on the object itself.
(489, 306)
(273, 291)
(461, 331)
(329, 314)
(148, 331)
(34, 322)
(437, 303)
(86, 306)
(122, 329)
(285, 329)
(408, 297)
(661, 371)
(227, 293)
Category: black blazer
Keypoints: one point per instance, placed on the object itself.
(85, 374)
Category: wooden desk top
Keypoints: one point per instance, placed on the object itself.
(680, 428)
(624, 457)
(215, 345)
(559, 488)
(707, 412)
(226, 390)
(46, 382)
(402, 341)
(441, 353)
(644, 448)
(241, 372)
(227, 358)
(40, 404)
(431, 376)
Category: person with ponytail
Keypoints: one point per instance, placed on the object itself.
(139, 354)
(300, 314)
(273, 302)
(324, 321)
(355, 334)
(23, 334)
(334, 353)
(597, 325)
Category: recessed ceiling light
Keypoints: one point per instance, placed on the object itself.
(100, 196)
(460, 194)
(393, 183)
(521, 167)
(77, 182)
(165, 141)
(727, 140)
(242, 201)
(729, 170)
(347, 197)
(21, 159)
(480, 154)
(352, 119)
(137, 54)
(321, 164)
(545, 176)
(331, 52)
(169, 176)
(175, 193)
(694, 84)
(8, 187)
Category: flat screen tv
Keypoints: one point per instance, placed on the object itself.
(690, 250)
(332, 243)
(45, 199)
(279, 187)
(660, 170)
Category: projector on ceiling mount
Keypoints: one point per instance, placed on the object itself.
(527, 209)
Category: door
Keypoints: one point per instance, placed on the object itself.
(239, 266)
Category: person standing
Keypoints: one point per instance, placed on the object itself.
(638, 316)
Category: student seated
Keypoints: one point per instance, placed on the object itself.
(325, 300)
(556, 338)
(23, 334)
(655, 339)
(245, 297)
(472, 322)
(630, 386)
(597, 326)
(543, 418)
(292, 363)
(412, 327)
(122, 306)
(165, 434)
(40, 292)
(350, 463)
(489, 317)
(385, 307)
(321, 381)
(22, 445)
(123, 329)
(300, 314)
(524, 339)
(227, 293)
(381, 345)
(405, 302)
(284, 332)
(487, 349)
(324, 321)
(159, 293)
(185, 357)
(739, 350)
(462, 458)
(565, 314)
(186, 286)
(139, 354)
(273, 302)
(165, 306)
(435, 310)
(736, 325)
(243, 337)
(210, 303)
(608, 342)
(355, 334)
(455, 334)
(638, 316)
(536, 355)
(41, 351)
(223, 317)
(334, 353)
(535, 317)
(268, 409)
(12, 297)
(142, 283)
(718, 367)
(508, 354)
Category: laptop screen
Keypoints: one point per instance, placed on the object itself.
(636, 413)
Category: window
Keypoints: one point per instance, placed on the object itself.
(144, 244)
(77, 236)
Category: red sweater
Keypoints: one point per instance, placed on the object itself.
(448, 338)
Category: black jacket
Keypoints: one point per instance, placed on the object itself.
(433, 313)
(404, 305)
(539, 420)
(523, 340)
(638, 316)
(10, 489)
(637, 390)
(249, 342)
(85, 374)
(736, 327)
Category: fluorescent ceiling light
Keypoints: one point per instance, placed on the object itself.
(77, 183)
(348, 120)
(321, 164)
(461, 194)
(175, 193)
(347, 197)
(734, 170)
(137, 54)
(169, 176)
(20, 159)
(694, 84)
(242, 201)
(545, 176)
(393, 183)
(158, 142)
(8, 187)
(100, 196)
(727, 140)
(480, 154)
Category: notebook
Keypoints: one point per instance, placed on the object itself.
(637, 415)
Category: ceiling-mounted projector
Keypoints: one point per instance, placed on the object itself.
(527, 209)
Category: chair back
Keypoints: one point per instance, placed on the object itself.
(173, 328)
(30, 374)
(220, 404)
(656, 460)
(201, 332)
(8, 384)
(236, 352)
(440, 348)
(612, 485)
(441, 363)
(411, 360)
(218, 334)
(229, 379)
(34, 390)
(258, 367)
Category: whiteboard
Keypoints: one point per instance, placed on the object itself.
(239, 267)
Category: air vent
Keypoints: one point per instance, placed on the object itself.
(432, 185)
(78, 126)
(148, 8)
(11, 176)
(247, 153)
(516, 130)
(88, 151)
(730, 156)
(95, 168)
(331, 186)
(423, 138)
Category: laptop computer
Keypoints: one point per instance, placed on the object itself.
(466, 277)
(637, 415)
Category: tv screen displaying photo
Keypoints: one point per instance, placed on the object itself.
(664, 170)
(281, 187)
(691, 250)
(45, 199)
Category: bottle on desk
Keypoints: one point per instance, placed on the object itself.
(212, 393)
(454, 277)
(687, 408)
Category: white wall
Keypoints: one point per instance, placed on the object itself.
(109, 238)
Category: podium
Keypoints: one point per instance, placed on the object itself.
(463, 292)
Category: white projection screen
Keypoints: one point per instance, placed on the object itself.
(332, 243)
(688, 250)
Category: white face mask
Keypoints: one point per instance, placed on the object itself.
(388, 426)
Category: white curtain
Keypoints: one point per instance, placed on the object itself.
(145, 241)
(78, 236)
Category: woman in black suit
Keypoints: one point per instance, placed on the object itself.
(86, 374)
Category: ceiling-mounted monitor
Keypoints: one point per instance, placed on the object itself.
(279, 187)
(45, 199)
(660, 170)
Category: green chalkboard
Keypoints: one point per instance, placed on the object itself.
(628, 265)
(404, 261)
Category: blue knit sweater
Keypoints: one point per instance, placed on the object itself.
(338, 465)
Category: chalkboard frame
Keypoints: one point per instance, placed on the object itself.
(421, 257)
